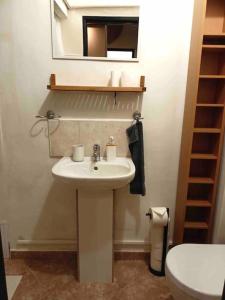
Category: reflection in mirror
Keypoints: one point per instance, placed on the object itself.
(113, 37)
(107, 32)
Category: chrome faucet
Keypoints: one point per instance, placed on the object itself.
(96, 153)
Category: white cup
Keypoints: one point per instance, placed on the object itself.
(115, 78)
(78, 152)
(128, 80)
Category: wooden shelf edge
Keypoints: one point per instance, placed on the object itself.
(54, 87)
(207, 130)
(216, 105)
(212, 76)
(212, 46)
(214, 34)
(198, 203)
(203, 156)
(196, 225)
(204, 180)
(96, 89)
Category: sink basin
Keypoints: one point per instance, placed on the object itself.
(101, 175)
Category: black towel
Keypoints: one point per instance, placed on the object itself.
(136, 146)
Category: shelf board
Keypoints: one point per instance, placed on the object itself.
(210, 105)
(212, 76)
(203, 156)
(214, 34)
(96, 89)
(207, 130)
(198, 203)
(196, 225)
(54, 87)
(214, 47)
(204, 180)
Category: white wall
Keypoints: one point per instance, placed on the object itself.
(36, 207)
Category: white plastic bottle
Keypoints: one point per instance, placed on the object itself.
(111, 149)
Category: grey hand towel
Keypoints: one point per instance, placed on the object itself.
(136, 146)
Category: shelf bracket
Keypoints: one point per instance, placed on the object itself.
(115, 99)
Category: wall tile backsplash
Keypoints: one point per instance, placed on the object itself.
(64, 133)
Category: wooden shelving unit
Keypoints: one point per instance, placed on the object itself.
(55, 87)
(203, 128)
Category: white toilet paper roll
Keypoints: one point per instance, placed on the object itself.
(156, 248)
(159, 216)
(159, 219)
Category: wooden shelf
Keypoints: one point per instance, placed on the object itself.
(210, 105)
(212, 76)
(214, 35)
(198, 203)
(203, 156)
(196, 225)
(207, 130)
(204, 180)
(216, 47)
(96, 89)
(202, 143)
(54, 87)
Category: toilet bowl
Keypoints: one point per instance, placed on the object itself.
(195, 271)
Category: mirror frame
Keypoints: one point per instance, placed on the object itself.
(89, 58)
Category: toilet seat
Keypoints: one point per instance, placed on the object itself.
(197, 269)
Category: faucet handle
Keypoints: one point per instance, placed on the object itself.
(96, 147)
(96, 152)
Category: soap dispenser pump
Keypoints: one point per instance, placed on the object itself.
(111, 149)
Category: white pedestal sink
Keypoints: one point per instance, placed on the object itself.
(95, 183)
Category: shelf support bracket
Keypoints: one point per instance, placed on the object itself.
(115, 100)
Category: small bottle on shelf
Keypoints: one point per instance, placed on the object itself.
(111, 149)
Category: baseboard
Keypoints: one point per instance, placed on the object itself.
(71, 245)
(56, 249)
(45, 245)
(131, 246)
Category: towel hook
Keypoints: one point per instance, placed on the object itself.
(137, 116)
(49, 115)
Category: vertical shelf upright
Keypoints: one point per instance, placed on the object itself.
(203, 127)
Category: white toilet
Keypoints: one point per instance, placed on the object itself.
(195, 271)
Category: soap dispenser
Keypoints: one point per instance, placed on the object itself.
(111, 149)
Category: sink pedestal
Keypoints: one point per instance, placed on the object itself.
(95, 183)
(95, 235)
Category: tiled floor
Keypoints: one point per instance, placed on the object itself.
(49, 278)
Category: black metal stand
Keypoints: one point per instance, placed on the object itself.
(223, 296)
(165, 248)
(3, 288)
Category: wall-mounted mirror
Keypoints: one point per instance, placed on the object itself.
(95, 29)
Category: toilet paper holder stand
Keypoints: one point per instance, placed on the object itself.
(165, 247)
